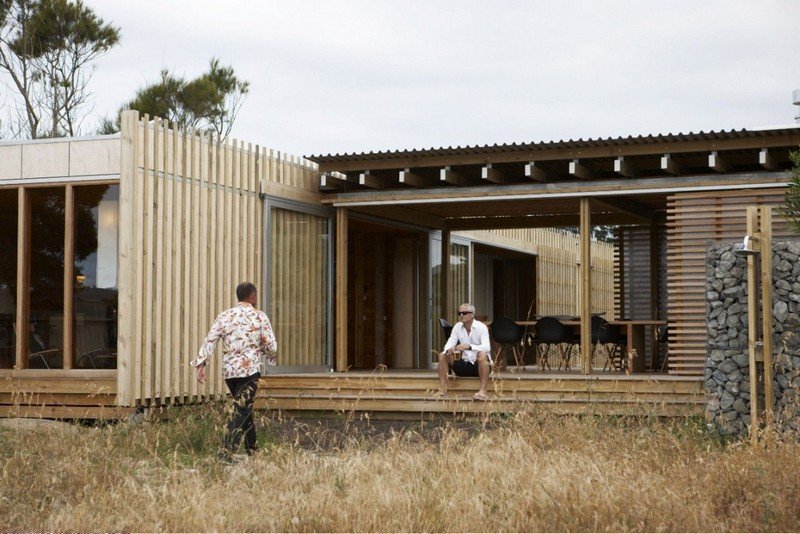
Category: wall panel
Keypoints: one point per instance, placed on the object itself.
(694, 220)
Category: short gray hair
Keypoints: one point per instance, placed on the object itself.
(470, 307)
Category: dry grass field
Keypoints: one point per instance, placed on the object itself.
(523, 473)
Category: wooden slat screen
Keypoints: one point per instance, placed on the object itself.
(557, 266)
(299, 286)
(191, 228)
(693, 220)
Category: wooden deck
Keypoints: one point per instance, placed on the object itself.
(54, 394)
(413, 392)
(93, 394)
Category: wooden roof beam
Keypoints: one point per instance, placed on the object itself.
(535, 172)
(332, 181)
(537, 221)
(669, 165)
(449, 176)
(490, 173)
(624, 167)
(579, 170)
(406, 177)
(632, 207)
(718, 163)
(368, 179)
(766, 160)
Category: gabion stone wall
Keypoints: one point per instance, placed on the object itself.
(727, 371)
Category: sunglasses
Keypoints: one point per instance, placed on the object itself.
(464, 313)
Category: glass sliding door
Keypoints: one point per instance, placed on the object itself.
(95, 276)
(299, 284)
(46, 305)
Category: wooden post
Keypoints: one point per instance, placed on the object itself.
(341, 289)
(654, 293)
(766, 311)
(69, 276)
(752, 324)
(586, 286)
(23, 278)
(127, 257)
(446, 294)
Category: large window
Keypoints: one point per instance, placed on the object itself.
(8, 276)
(299, 286)
(458, 271)
(70, 260)
(46, 295)
(95, 276)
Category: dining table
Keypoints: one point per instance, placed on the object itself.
(635, 332)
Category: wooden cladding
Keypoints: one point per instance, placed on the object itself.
(557, 263)
(190, 230)
(299, 291)
(693, 220)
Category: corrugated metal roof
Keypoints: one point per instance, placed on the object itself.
(560, 144)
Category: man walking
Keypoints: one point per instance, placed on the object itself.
(246, 334)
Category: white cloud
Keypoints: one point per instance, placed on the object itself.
(336, 76)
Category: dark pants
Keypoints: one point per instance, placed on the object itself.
(241, 421)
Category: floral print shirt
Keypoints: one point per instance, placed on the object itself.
(246, 334)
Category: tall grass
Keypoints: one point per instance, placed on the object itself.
(525, 473)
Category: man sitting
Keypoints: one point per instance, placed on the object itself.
(471, 339)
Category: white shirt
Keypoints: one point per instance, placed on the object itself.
(477, 338)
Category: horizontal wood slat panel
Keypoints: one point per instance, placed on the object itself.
(613, 394)
(694, 220)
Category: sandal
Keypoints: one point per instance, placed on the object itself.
(479, 396)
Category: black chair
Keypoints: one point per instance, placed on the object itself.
(506, 332)
(662, 338)
(553, 335)
(610, 338)
(447, 328)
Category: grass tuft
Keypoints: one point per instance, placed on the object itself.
(529, 472)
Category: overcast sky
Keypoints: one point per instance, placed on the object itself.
(333, 76)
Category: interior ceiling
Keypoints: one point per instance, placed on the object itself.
(477, 214)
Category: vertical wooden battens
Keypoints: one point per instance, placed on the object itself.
(129, 136)
(752, 323)
(341, 289)
(190, 229)
(586, 286)
(766, 312)
(446, 291)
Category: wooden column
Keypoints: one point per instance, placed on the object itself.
(341, 290)
(586, 286)
(69, 276)
(23, 277)
(654, 294)
(127, 257)
(766, 311)
(752, 324)
(446, 294)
